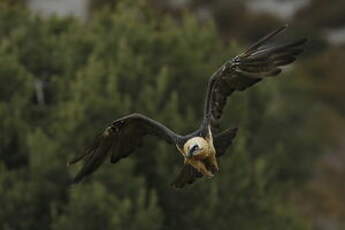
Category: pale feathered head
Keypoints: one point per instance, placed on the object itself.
(195, 146)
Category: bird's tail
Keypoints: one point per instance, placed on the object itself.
(187, 175)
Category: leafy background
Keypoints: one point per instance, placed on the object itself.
(62, 80)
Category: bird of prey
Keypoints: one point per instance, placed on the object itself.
(203, 147)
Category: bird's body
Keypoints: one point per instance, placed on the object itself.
(199, 152)
(202, 147)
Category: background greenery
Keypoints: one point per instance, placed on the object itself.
(62, 81)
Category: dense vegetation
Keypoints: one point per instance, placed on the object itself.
(61, 81)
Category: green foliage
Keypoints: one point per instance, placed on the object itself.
(93, 206)
(62, 82)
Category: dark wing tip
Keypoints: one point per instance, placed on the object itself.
(77, 159)
(94, 158)
(78, 178)
(266, 38)
(84, 171)
(280, 29)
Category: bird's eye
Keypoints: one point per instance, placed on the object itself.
(195, 147)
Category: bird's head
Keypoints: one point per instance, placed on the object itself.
(196, 147)
(200, 153)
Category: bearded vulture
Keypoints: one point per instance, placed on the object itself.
(202, 147)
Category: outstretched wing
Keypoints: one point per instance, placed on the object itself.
(119, 140)
(189, 174)
(245, 70)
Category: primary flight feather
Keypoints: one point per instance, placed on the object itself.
(202, 147)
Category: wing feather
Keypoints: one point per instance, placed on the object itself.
(245, 70)
(121, 138)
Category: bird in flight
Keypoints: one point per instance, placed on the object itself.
(201, 148)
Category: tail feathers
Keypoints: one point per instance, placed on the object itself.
(187, 175)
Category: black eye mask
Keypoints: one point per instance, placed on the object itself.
(194, 148)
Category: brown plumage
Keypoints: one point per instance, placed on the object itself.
(203, 147)
(247, 69)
